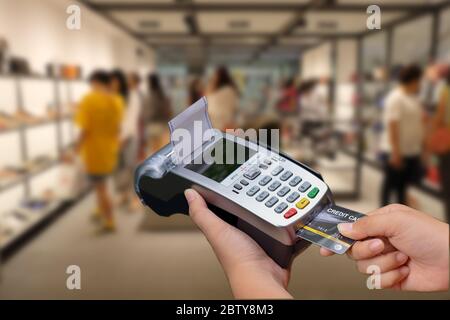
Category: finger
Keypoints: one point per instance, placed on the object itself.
(388, 247)
(366, 249)
(385, 262)
(325, 252)
(210, 224)
(391, 279)
(375, 225)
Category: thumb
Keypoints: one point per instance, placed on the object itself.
(210, 224)
(378, 225)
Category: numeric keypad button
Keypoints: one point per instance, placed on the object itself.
(295, 181)
(305, 186)
(283, 191)
(277, 170)
(271, 202)
(263, 195)
(252, 173)
(285, 176)
(281, 207)
(253, 190)
(293, 196)
(274, 185)
(265, 180)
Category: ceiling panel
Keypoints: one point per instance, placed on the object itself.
(151, 21)
(298, 41)
(239, 40)
(333, 22)
(390, 2)
(255, 2)
(134, 1)
(161, 41)
(242, 22)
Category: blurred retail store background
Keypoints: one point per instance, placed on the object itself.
(310, 68)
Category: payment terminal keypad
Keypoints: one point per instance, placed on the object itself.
(272, 188)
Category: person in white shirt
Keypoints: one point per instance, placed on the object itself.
(314, 106)
(403, 136)
(223, 100)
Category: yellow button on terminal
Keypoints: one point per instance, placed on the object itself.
(302, 203)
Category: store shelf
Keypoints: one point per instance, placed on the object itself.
(35, 161)
(36, 76)
(34, 226)
(12, 183)
(21, 178)
(38, 123)
(33, 220)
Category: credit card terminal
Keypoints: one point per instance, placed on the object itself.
(262, 192)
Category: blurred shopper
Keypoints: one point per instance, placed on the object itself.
(120, 92)
(196, 90)
(287, 103)
(99, 117)
(287, 108)
(157, 112)
(314, 119)
(119, 86)
(223, 99)
(403, 136)
(130, 138)
(314, 106)
(439, 142)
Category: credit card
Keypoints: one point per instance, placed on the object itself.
(323, 231)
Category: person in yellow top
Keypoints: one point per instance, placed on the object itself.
(99, 117)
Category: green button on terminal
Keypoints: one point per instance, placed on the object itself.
(313, 193)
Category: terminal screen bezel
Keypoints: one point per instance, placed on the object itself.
(225, 157)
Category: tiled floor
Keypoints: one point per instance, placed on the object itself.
(168, 262)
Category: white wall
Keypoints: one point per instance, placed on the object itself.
(316, 63)
(346, 65)
(37, 31)
(347, 59)
(444, 37)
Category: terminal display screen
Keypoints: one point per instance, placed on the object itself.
(226, 157)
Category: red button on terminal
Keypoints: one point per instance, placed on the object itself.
(291, 212)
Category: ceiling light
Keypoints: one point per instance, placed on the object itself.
(149, 24)
(327, 25)
(239, 24)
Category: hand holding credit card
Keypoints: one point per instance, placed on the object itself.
(323, 231)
